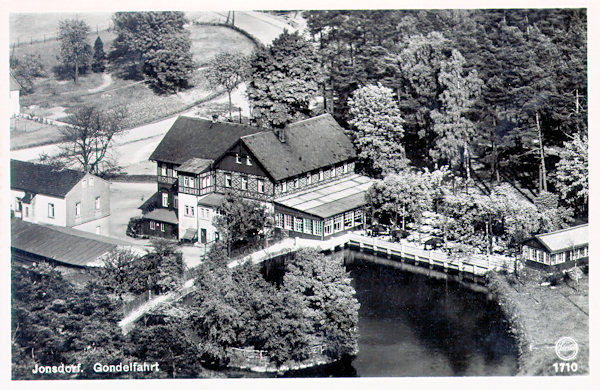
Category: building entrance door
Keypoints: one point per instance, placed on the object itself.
(203, 236)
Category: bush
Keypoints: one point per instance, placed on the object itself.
(134, 227)
(556, 278)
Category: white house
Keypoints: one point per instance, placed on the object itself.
(60, 197)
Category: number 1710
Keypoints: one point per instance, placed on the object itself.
(565, 367)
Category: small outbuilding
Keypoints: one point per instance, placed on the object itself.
(561, 249)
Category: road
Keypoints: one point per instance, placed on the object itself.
(263, 26)
(132, 148)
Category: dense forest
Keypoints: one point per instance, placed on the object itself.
(501, 94)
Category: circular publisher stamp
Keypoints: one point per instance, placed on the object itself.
(566, 348)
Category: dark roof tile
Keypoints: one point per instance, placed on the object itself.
(42, 179)
(198, 138)
(309, 145)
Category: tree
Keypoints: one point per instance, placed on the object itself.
(26, 69)
(155, 45)
(571, 175)
(99, 62)
(403, 195)
(54, 322)
(377, 134)
(284, 79)
(227, 70)
(166, 339)
(240, 221)
(116, 273)
(160, 270)
(91, 135)
(328, 300)
(453, 129)
(170, 265)
(75, 51)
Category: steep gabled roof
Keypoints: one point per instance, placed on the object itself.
(309, 145)
(42, 179)
(198, 138)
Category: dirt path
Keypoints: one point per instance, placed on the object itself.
(106, 81)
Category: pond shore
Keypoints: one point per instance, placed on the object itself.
(539, 315)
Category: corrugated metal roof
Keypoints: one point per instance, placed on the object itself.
(194, 165)
(309, 145)
(566, 238)
(331, 198)
(162, 215)
(42, 179)
(60, 245)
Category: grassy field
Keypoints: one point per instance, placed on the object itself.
(56, 98)
(25, 27)
(541, 315)
(25, 133)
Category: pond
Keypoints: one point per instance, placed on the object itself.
(414, 325)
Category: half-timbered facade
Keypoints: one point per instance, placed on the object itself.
(303, 174)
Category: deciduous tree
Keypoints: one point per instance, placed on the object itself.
(156, 45)
(377, 129)
(571, 175)
(240, 220)
(227, 70)
(90, 137)
(328, 300)
(75, 51)
(453, 129)
(284, 79)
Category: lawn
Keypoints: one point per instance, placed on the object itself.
(541, 315)
(55, 98)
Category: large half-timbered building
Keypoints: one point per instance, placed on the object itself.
(303, 174)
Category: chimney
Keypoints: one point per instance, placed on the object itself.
(281, 135)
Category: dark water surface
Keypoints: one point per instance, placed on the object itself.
(413, 325)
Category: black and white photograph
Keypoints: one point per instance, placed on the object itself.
(349, 192)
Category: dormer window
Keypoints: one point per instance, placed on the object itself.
(163, 170)
(248, 161)
(238, 158)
